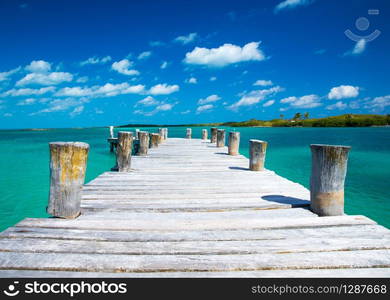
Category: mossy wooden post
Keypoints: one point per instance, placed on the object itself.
(257, 151)
(234, 143)
(68, 163)
(143, 143)
(188, 133)
(204, 134)
(220, 137)
(112, 132)
(213, 134)
(153, 140)
(123, 151)
(329, 167)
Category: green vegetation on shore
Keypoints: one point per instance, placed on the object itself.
(347, 120)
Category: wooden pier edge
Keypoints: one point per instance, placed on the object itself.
(187, 209)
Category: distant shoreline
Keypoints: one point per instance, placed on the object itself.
(346, 120)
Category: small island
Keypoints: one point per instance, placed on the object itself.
(298, 120)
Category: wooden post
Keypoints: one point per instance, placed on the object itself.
(234, 142)
(213, 138)
(162, 134)
(257, 151)
(143, 143)
(329, 167)
(220, 137)
(123, 151)
(204, 134)
(159, 138)
(112, 132)
(189, 133)
(68, 163)
(137, 134)
(153, 140)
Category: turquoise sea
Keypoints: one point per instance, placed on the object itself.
(24, 164)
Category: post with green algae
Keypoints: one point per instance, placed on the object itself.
(68, 163)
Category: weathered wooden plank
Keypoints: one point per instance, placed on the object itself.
(193, 263)
(301, 273)
(220, 216)
(210, 196)
(167, 223)
(303, 245)
(330, 232)
(196, 204)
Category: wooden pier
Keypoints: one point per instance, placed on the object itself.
(187, 209)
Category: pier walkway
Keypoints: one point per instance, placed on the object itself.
(188, 209)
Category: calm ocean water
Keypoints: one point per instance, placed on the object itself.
(24, 164)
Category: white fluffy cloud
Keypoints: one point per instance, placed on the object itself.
(263, 83)
(213, 78)
(148, 101)
(59, 105)
(25, 102)
(164, 107)
(158, 108)
(38, 66)
(308, 101)
(96, 60)
(27, 91)
(204, 108)
(338, 105)
(82, 79)
(289, 4)
(209, 99)
(163, 89)
(53, 78)
(164, 65)
(107, 90)
(224, 55)
(123, 67)
(186, 39)
(144, 55)
(254, 97)
(379, 103)
(78, 110)
(268, 103)
(192, 80)
(6, 75)
(343, 91)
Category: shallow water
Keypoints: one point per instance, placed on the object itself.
(24, 164)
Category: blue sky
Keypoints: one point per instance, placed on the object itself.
(94, 63)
